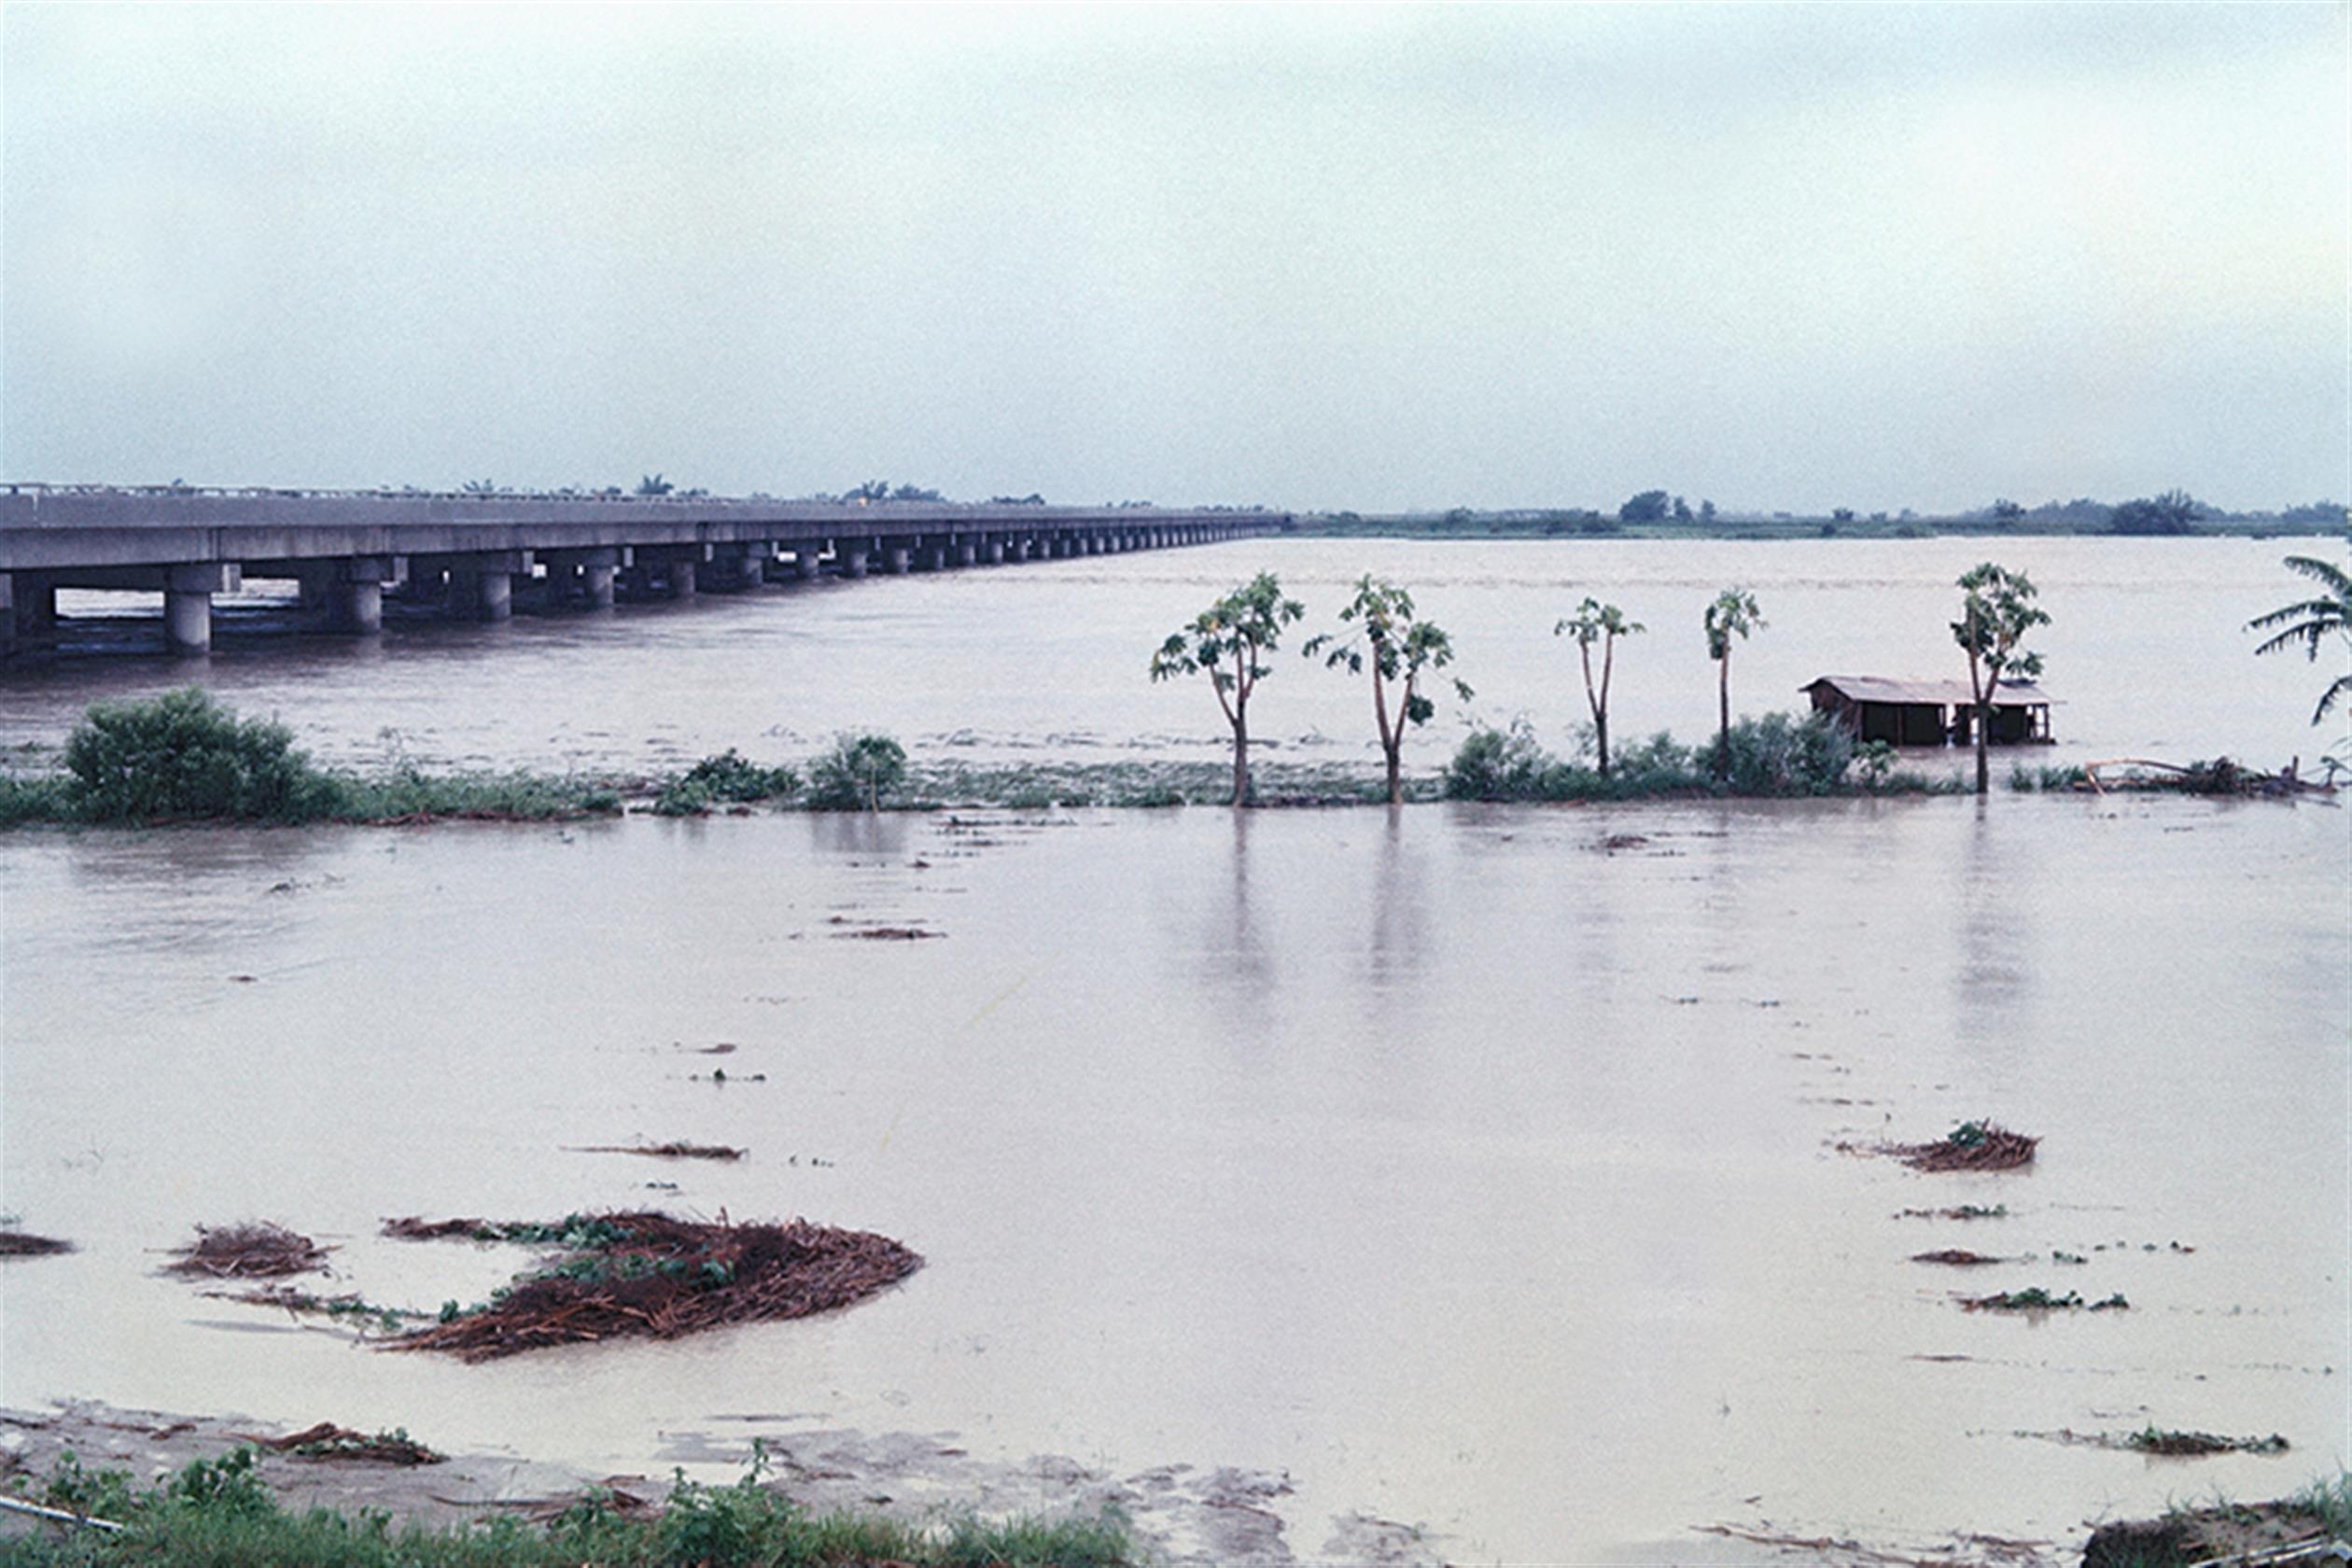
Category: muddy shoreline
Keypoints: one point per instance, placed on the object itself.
(1181, 1514)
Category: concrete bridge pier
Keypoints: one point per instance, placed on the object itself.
(188, 596)
(934, 557)
(993, 551)
(28, 613)
(805, 561)
(355, 599)
(853, 562)
(967, 553)
(582, 576)
(481, 592)
(894, 561)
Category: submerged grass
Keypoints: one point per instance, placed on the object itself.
(221, 1514)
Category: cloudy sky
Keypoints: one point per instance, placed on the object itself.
(1792, 258)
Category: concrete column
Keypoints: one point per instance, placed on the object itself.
(481, 594)
(935, 558)
(967, 553)
(993, 553)
(595, 585)
(750, 570)
(188, 593)
(804, 562)
(356, 607)
(853, 563)
(683, 578)
(319, 583)
(894, 562)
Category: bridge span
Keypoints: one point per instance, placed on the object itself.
(467, 555)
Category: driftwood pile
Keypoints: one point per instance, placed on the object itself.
(247, 1251)
(327, 1441)
(18, 1243)
(1969, 1146)
(650, 1275)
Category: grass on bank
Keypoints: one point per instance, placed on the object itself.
(220, 1514)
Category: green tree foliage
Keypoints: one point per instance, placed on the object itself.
(1398, 648)
(1594, 621)
(1650, 506)
(1239, 630)
(1996, 613)
(183, 754)
(2174, 511)
(654, 485)
(1733, 613)
(2311, 623)
(860, 771)
(2006, 512)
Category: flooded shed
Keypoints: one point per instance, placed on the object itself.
(1929, 712)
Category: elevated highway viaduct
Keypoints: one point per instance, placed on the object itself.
(466, 555)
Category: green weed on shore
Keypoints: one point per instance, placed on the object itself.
(220, 1514)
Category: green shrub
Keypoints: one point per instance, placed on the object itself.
(1499, 765)
(183, 754)
(860, 772)
(1777, 755)
(39, 799)
(728, 776)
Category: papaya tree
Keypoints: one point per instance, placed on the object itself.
(1594, 621)
(2312, 624)
(1733, 614)
(1398, 648)
(1229, 642)
(1997, 611)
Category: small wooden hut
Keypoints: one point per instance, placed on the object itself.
(1930, 712)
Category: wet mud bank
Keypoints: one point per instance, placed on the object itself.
(1180, 1514)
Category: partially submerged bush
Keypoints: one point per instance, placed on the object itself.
(858, 773)
(183, 754)
(1499, 765)
(1773, 755)
(726, 778)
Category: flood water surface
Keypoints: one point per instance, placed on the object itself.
(1492, 1170)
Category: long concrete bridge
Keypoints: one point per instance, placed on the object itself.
(466, 555)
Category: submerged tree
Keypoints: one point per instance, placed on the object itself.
(2312, 623)
(1733, 614)
(1398, 648)
(1594, 621)
(1997, 611)
(1239, 630)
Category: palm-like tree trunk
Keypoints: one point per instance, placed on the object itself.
(1723, 708)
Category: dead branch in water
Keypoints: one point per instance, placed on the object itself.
(651, 1275)
(248, 1252)
(1969, 1146)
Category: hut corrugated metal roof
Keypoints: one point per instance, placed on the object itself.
(1880, 689)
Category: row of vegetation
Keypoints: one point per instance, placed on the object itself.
(1656, 513)
(183, 756)
(1231, 640)
(221, 1512)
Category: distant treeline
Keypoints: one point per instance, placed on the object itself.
(1656, 514)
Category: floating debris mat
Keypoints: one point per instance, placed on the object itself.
(1969, 1146)
(247, 1251)
(649, 1275)
(19, 1243)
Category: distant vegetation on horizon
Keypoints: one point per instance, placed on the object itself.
(1657, 514)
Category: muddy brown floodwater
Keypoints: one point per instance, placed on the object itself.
(1474, 1169)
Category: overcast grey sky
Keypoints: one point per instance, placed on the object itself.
(1327, 257)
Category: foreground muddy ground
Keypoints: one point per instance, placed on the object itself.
(1181, 1514)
